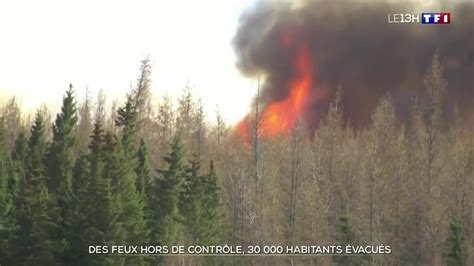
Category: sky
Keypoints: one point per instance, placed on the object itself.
(47, 45)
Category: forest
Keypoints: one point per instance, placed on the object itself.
(144, 173)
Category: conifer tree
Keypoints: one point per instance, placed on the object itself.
(210, 219)
(130, 206)
(142, 169)
(200, 204)
(131, 212)
(60, 156)
(192, 200)
(60, 161)
(11, 202)
(126, 119)
(165, 217)
(20, 153)
(108, 148)
(455, 250)
(81, 209)
(344, 235)
(7, 208)
(212, 213)
(105, 221)
(37, 214)
(94, 219)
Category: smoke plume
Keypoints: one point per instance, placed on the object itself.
(351, 46)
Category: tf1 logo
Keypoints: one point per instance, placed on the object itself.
(436, 18)
(424, 18)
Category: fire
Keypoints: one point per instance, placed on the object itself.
(280, 116)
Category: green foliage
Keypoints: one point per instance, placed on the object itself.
(7, 208)
(455, 249)
(37, 214)
(81, 209)
(56, 201)
(344, 235)
(212, 203)
(19, 155)
(123, 164)
(127, 121)
(191, 200)
(142, 169)
(94, 215)
(344, 232)
(200, 204)
(131, 205)
(164, 197)
(60, 155)
(60, 162)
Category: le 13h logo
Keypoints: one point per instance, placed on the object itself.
(424, 18)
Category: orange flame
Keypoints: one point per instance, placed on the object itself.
(280, 116)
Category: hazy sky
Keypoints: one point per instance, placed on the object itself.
(46, 45)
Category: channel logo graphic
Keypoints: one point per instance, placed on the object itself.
(436, 18)
(424, 18)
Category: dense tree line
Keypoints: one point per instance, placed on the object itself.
(132, 173)
(86, 184)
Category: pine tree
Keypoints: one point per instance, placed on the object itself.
(7, 208)
(110, 173)
(200, 204)
(344, 235)
(20, 152)
(212, 215)
(19, 157)
(11, 200)
(142, 169)
(125, 162)
(192, 200)
(37, 214)
(164, 217)
(344, 231)
(60, 157)
(94, 220)
(61, 163)
(455, 250)
(126, 119)
(82, 206)
(131, 206)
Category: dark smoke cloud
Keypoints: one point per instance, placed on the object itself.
(353, 47)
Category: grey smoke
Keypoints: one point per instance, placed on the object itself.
(353, 47)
